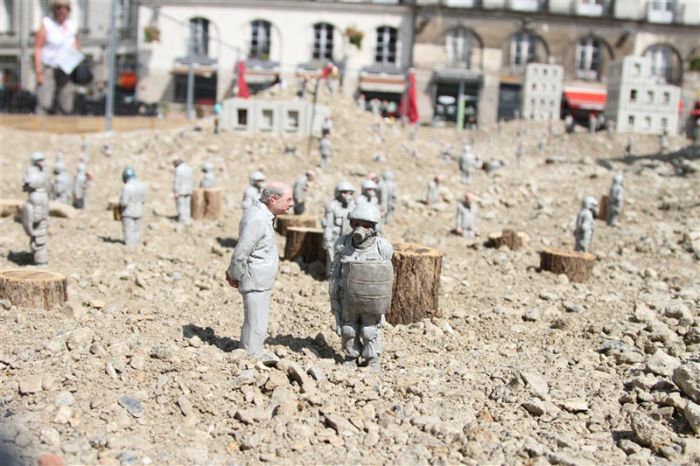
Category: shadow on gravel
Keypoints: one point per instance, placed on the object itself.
(108, 239)
(208, 336)
(227, 242)
(690, 152)
(20, 257)
(318, 345)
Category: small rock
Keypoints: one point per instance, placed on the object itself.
(692, 415)
(137, 362)
(371, 439)
(316, 373)
(185, 406)
(662, 364)
(687, 378)
(342, 426)
(253, 415)
(531, 315)
(575, 405)
(132, 405)
(536, 383)
(63, 415)
(650, 433)
(50, 436)
(80, 340)
(30, 384)
(534, 407)
(49, 459)
(97, 304)
(64, 398)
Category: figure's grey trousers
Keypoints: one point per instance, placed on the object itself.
(40, 250)
(184, 206)
(130, 227)
(256, 312)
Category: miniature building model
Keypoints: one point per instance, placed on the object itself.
(638, 101)
(542, 91)
(272, 116)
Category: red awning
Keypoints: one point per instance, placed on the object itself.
(586, 99)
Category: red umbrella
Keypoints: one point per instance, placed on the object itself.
(409, 102)
(243, 89)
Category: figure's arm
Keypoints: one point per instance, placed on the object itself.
(39, 42)
(328, 224)
(250, 233)
(27, 216)
(458, 220)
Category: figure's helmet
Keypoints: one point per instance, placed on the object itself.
(367, 185)
(388, 175)
(37, 157)
(365, 212)
(82, 168)
(590, 202)
(34, 181)
(59, 167)
(207, 167)
(256, 177)
(344, 186)
(617, 179)
(128, 174)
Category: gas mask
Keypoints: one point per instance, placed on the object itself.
(360, 235)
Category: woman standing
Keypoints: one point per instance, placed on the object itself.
(56, 35)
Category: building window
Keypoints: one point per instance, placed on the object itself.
(664, 123)
(387, 38)
(667, 98)
(124, 14)
(661, 62)
(323, 41)
(200, 36)
(630, 121)
(260, 39)
(7, 10)
(459, 44)
(650, 97)
(589, 58)
(522, 50)
(633, 95)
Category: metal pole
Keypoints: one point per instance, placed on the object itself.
(190, 74)
(109, 107)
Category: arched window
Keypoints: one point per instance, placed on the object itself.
(200, 36)
(589, 58)
(385, 52)
(323, 41)
(260, 39)
(662, 63)
(523, 49)
(458, 43)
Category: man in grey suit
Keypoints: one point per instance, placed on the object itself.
(254, 263)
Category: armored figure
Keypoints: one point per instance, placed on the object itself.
(467, 164)
(663, 142)
(585, 224)
(208, 180)
(388, 196)
(335, 220)
(182, 190)
(325, 151)
(360, 286)
(467, 213)
(301, 187)
(616, 198)
(131, 204)
(254, 189)
(38, 165)
(35, 217)
(369, 193)
(433, 194)
(80, 186)
(61, 183)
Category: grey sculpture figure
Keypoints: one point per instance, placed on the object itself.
(326, 126)
(467, 215)
(35, 217)
(616, 199)
(335, 221)
(131, 202)
(360, 286)
(433, 194)
(388, 196)
(208, 180)
(301, 187)
(663, 142)
(61, 183)
(182, 190)
(368, 193)
(467, 164)
(81, 184)
(37, 164)
(254, 263)
(585, 224)
(256, 183)
(325, 151)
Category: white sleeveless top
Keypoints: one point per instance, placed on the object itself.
(58, 37)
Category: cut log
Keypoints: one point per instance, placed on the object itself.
(306, 243)
(417, 271)
(578, 266)
(10, 207)
(59, 209)
(282, 222)
(603, 208)
(33, 288)
(206, 204)
(512, 239)
(113, 205)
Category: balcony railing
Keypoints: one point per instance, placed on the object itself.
(654, 15)
(589, 9)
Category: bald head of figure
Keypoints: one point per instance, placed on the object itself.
(277, 196)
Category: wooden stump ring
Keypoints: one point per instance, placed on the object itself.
(33, 288)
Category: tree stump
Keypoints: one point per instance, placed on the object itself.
(603, 208)
(416, 283)
(578, 266)
(206, 204)
(306, 243)
(33, 288)
(283, 222)
(514, 240)
(10, 207)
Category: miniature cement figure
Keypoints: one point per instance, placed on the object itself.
(131, 204)
(301, 187)
(663, 142)
(585, 224)
(325, 151)
(38, 165)
(369, 193)
(81, 184)
(61, 183)
(360, 286)
(335, 220)
(182, 190)
(254, 189)
(208, 180)
(433, 194)
(326, 126)
(569, 123)
(592, 123)
(467, 164)
(615, 200)
(388, 196)
(254, 263)
(467, 214)
(35, 217)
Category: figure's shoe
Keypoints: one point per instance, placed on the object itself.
(349, 361)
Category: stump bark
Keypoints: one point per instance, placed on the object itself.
(306, 243)
(113, 205)
(514, 240)
(578, 266)
(206, 204)
(417, 271)
(33, 288)
(603, 208)
(283, 222)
